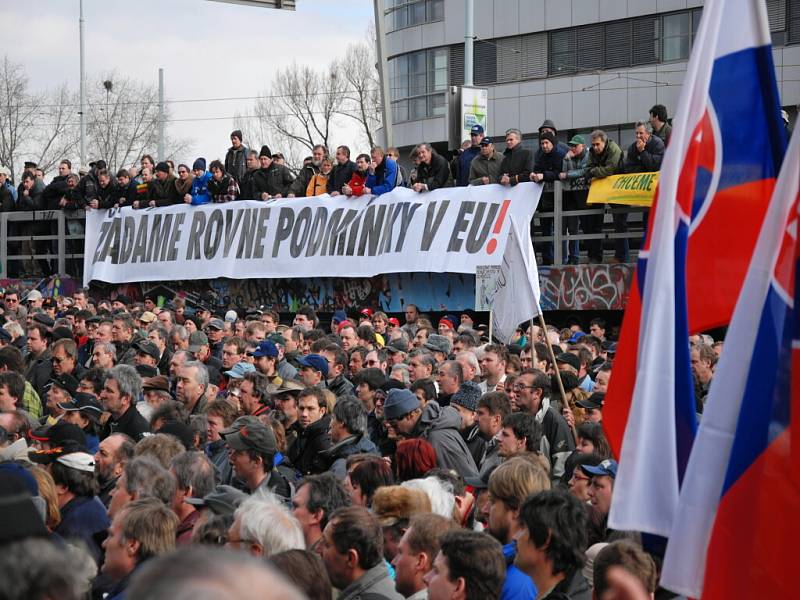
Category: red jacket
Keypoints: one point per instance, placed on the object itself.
(357, 182)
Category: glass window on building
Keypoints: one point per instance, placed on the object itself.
(418, 84)
(406, 13)
(562, 52)
(677, 36)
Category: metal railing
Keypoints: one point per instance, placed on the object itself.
(54, 250)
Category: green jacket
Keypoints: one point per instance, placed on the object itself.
(485, 167)
(608, 162)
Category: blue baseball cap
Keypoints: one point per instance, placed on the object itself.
(607, 468)
(316, 362)
(240, 369)
(266, 348)
(399, 402)
(576, 336)
(476, 129)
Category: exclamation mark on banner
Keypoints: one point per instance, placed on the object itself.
(492, 245)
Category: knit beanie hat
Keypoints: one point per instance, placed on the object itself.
(546, 135)
(467, 396)
(265, 152)
(199, 165)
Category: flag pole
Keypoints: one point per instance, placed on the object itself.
(491, 319)
(543, 325)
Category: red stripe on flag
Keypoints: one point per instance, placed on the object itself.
(715, 271)
(752, 549)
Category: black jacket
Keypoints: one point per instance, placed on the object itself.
(436, 174)
(648, 159)
(517, 164)
(130, 423)
(6, 200)
(247, 185)
(164, 192)
(340, 386)
(299, 185)
(236, 161)
(340, 175)
(305, 451)
(273, 180)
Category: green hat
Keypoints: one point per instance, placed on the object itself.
(576, 139)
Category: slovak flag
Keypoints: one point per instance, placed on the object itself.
(736, 528)
(716, 181)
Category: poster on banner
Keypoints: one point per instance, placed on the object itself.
(451, 230)
(632, 189)
(486, 284)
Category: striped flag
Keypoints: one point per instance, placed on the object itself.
(737, 522)
(714, 189)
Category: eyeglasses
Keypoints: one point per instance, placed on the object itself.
(11, 300)
(518, 387)
(229, 541)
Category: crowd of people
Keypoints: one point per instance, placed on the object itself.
(250, 174)
(167, 452)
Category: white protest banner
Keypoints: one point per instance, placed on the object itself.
(451, 230)
(516, 298)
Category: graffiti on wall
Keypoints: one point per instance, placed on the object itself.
(585, 287)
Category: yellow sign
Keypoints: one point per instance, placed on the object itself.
(633, 189)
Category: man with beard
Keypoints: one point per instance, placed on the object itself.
(109, 462)
(299, 186)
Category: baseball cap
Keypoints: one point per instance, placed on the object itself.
(578, 335)
(80, 461)
(216, 324)
(607, 468)
(33, 295)
(397, 345)
(277, 339)
(486, 141)
(66, 382)
(45, 457)
(316, 362)
(476, 129)
(394, 321)
(366, 312)
(224, 500)
(568, 358)
(266, 348)
(252, 436)
(595, 401)
(85, 403)
(197, 340)
(231, 316)
(576, 139)
(240, 369)
(147, 347)
(148, 317)
(399, 402)
(59, 434)
(339, 316)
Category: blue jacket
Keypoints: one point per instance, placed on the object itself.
(384, 178)
(464, 162)
(517, 586)
(200, 193)
(81, 518)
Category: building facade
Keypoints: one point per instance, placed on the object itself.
(583, 64)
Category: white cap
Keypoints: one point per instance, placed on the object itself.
(80, 461)
(4, 170)
(231, 316)
(33, 295)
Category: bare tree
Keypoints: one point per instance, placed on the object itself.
(58, 134)
(18, 111)
(123, 120)
(300, 110)
(362, 94)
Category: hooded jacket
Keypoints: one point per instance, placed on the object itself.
(311, 441)
(440, 426)
(200, 193)
(336, 455)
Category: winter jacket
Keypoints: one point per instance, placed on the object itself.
(335, 457)
(54, 191)
(608, 162)
(340, 386)
(274, 180)
(33, 200)
(482, 166)
(517, 585)
(575, 168)
(435, 174)
(236, 161)
(375, 584)
(164, 192)
(11, 190)
(247, 185)
(107, 196)
(463, 164)
(384, 178)
(224, 190)
(88, 185)
(200, 193)
(299, 186)
(340, 175)
(81, 518)
(573, 587)
(217, 453)
(517, 164)
(123, 195)
(664, 134)
(557, 440)
(357, 183)
(39, 371)
(549, 163)
(318, 186)
(475, 443)
(440, 427)
(648, 159)
(7, 203)
(131, 423)
(305, 451)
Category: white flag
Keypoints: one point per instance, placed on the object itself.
(516, 296)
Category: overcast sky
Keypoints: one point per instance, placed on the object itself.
(207, 49)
